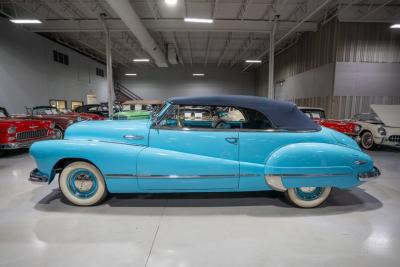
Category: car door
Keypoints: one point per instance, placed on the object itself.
(189, 155)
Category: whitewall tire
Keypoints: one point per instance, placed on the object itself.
(82, 184)
(58, 133)
(367, 140)
(308, 197)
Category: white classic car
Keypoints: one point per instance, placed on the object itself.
(379, 128)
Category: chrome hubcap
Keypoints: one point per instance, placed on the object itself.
(82, 183)
(367, 140)
(309, 193)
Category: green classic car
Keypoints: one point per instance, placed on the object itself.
(137, 109)
(132, 115)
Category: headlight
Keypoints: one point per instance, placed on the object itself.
(52, 125)
(70, 122)
(357, 129)
(381, 131)
(12, 130)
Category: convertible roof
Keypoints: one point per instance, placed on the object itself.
(283, 114)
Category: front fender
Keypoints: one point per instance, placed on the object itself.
(317, 164)
(109, 158)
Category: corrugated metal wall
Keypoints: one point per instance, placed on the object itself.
(337, 42)
(344, 107)
(367, 42)
(314, 49)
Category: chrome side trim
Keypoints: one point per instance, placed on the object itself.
(120, 175)
(108, 142)
(173, 176)
(310, 175)
(133, 137)
(275, 182)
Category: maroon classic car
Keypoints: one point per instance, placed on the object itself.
(20, 133)
(61, 120)
(318, 115)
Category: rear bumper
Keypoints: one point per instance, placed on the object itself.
(372, 174)
(24, 144)
(37, 176)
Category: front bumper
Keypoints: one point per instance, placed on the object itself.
(37, 176)
(24, 144)
(372, 174)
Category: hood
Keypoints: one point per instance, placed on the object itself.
(129, 132)
(24, 124)
(389, 114)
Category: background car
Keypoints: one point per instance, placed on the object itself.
(271, 147)
(137, 109)
(61, 120)
(318, 115)
(379, 128)
(99, 109)
(21, 133)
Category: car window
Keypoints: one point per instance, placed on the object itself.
(3, 113)
(214, 117)
(95, 108)
(45, 111)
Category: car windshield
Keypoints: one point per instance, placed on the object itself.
(368, 117)
(45, 111)
(160, 113)
(3, 113)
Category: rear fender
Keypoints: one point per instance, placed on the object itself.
(315, 164)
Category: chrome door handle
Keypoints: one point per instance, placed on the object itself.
(133, 137)
(232, 140)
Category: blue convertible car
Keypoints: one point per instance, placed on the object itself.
(204, 144)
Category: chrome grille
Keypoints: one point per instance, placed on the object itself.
(31, 134)
(394, 138)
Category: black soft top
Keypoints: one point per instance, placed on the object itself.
(282, 114)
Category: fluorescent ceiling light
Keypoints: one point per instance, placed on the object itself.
(141, 60)
(26, 21)
(171, 2)
(130, 74)
(253, 61)
(395, 26)
(199, 20)
(198, 74)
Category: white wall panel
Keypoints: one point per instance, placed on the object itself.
(29, 76)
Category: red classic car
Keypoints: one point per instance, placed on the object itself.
(61, 120)
(20, 133)
(318, 115)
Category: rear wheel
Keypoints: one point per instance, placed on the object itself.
(367, 140)
(308, 197)
(2, 152)
(82, 184)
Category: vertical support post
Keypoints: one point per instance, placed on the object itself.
(109, 67)
(271, 89)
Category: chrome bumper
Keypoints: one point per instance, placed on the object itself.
(27, 144)
(366, 176)
(37, 176)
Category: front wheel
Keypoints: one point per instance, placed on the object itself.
(82, 184)
(58, 133)
(308, 197)
(367, 140)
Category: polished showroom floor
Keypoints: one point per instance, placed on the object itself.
(358, 227)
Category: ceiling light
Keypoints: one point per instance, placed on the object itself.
(395, 26)
(130, 74)
(26, 21)
(253, 61)
(199, 20)
(141, 60)
(198, 74)
(171, 2)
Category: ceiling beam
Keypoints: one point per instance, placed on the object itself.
(170, 25)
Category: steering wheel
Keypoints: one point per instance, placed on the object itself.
(221, 124)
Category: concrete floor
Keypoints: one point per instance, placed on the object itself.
(358, 227)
